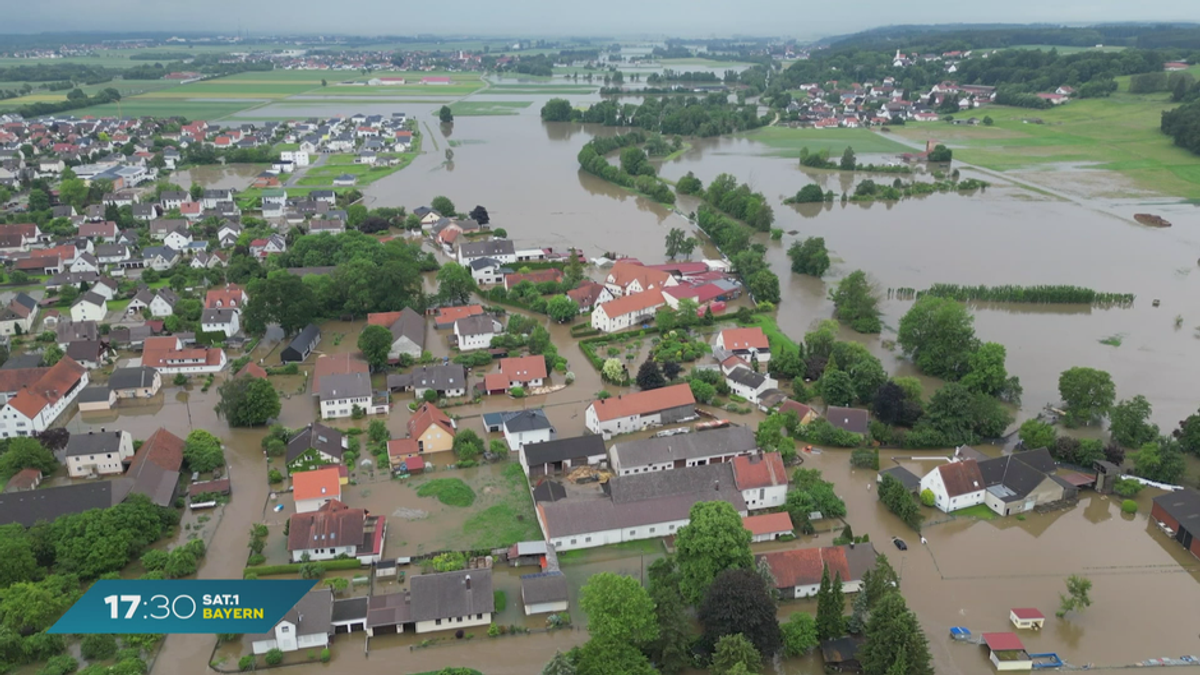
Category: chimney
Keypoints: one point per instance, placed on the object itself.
(407, 597)
(468, 582)
(717, 485)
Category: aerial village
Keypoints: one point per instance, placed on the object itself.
(435, 463)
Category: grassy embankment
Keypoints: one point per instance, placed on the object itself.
(787, 142)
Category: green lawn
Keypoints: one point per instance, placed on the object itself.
(449, 491)
(787, 142)
(979, 512)
(508, 522)
(324, 175)
(487, 108)
(118, 305)
(1119, 133)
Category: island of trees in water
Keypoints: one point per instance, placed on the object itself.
(1043, 294)
(712, 115)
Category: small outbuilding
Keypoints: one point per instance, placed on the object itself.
(1027, 618)
(544, 593)
(910, 480)
(1007, 652)
(842, 654)
(768, 526)
(302, 345)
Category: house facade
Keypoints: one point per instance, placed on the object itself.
(955, 486)
(36, 406)
(98, 454)
(334, 530)
(627, 311)
(762, 478)
(475, 332)
(641, 410)
(1178, 516)
(431, 429)
(308, 625)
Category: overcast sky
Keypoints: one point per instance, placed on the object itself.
(794, 18)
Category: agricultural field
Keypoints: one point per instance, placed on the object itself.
(487, 108)
(697, 62)
(1119, 133)
(787, 142)
(461, 84)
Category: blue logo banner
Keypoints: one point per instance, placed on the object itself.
(182, 606)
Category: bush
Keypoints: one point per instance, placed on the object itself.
(493, 630)
(246, 662)
(1127, 487)
(98, 646)
(180, 379)
(517, 392)
(326, 655)
(864, 458)
(59, 665)
(500, 599)
(274, 476)
(1129, 506)
(274, 657)
(294, 568)
(927, 497)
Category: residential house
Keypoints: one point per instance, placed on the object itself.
(313, 489)
(646, 455)
(762, 479)
(768, 526)
(627, 311)
(48, 504)
(173, 199)
(329, 365)
(261, 248)
(447, 380)
(313, 446)
(145, 212)
(228, 233)
(168, 356)
(1178, 516)
(302, 345)
(525, 371)
(136, 382)
(643, 506)
(103, 231)
(752, 386)
(447, 316)
(544, 592)
(628, 278)
(408, 331)
(69, 331)
(589, 294)
(561, 455)
(90, 354)
(44, 396)
(160, 227)
(211, 198)
(308, 625)
(804, 412)
(1021, 481)
(435, 602)
(89, 307)
(431, 429)
(84, 263)
(854, 420)
(321, 226)
(113, 254)
(159, 258)
(341, 394)
(224, 321)
(25, 480)
(336, 529)
(486, 271)
(748, 343)
(327, 196)
(274, 201)
(160, 301)
(18, 317)
(98, 454)
(955, 485)
(797, 572)
(640, 410)
(177, 239)
(500, 250)
(231, 296)
(475, 332)
(520, 427)
(155, 467)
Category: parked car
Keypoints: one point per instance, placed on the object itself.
(900, 543)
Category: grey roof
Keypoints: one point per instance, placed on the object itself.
(25, 301)
(90, 298)
(747, 377)
(730, 440)
(95, 394)
(544, 587)
(65, 278)
(558, 450)
(855, 420)
(166, 252)
(908, 479)
(219, 316)
(1184, 506)
(152, 480)
(389, 609)
(315, 435)
(442, 596)
(489, 248)
(130, 335)
(644, 499)
(440, 377)
(1039, 459)
(93, 443)
(860, 558)
(349, 609)
(549, 491)
(345, 385)
(313, 615)
(69, 331)
(476, 324)
(23, 361)
(532, 419)
(410, 325)
(1016, 478)
(47, 504)
(132, 378)
(112, 250)
(483, 263)
(85, 350)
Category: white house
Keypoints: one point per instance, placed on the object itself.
(486, 271)
(177, 239)
(748, 343)
(520, 428)
(308, 625)
(19, 315)
(296, 157)
(544, 593)
(748, 384)
(641, 410)
(435, 602)
(341, 393)
(98, 454)
(168, 355)
(500, 250)
(89, 307)
(762, 478)
(85, 262)
(34, 408)
(313, 489)
(627, 311)
(955, 485)
(224, 321)
(475, 332)
(333, 530)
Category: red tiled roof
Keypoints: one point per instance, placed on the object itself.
(426, 416)
(253, 370)
(334, 524)
(586, 294)
(961, 477)
(228, 297)
(452, 314)
(316, 484)
(495, 382)
(633, 303)
(385, 319)
(402, 447)
(524, 368)
(624, 273)
(337, 364)
(745, 338)
(49, 388)
(759, 471)
(25, 479)
(804, 566)
(1003, 642)
(163, 449)
(800, 409)
(1027, 613)
(643, 402)
(768, 523)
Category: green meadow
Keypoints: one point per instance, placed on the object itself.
(487, 108)
(787, 142)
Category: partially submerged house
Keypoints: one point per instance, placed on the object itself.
(315, 445)
(334, 530)
(640, 410)
(520, 427)
(645, 455)
(447, 380)
(307, 625)
(561, 455)
(798, 571)
(1178, 515)
(302, 345)
(408, 332)
(434, 602)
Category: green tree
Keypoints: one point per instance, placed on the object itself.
(830, 606)
(671, 650)
(562, 309)
(559, 664)
(1129, 422)
(735, 654)
(649, 376)
(1077, 597)
(764, 285)
(375, 342)
(1036, 434)
(1087, 393)
(988, 121)
(836, 387)
(689, 185)
(738, 602)
(676, 240)
(1188, 433)
(455, 284)
(202, 451)
(445, 115)
(1160, 461)
(52, 355)
(73, 191)
(939, 335)
(274, 657)
(713, 540)
(98, 646)
(248, 402)
(467, 445)
(809, 256)
(26, 453)
(604, 657)
(17, 552)
(613, 371)
(849, 161)
(799, 634)
(928, 498)
(941, 153)
(443, 205)
(281, 298)
(618, 609)
(29, 607)
(856, 302)
(893, 635)
(986, 373)
(557, 110)
(899, 501)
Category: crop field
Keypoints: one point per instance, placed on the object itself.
(787, 142)
(139, 106)
(1119, 133)
(487, 108)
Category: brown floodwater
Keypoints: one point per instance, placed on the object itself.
(220, 176)
(1146, 600)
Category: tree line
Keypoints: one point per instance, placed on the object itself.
(1183, 126)
(712, 115)
(635, 172)
(1042, 294)
(736, 201)
(749, 260)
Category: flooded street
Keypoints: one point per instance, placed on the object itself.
(971, 572)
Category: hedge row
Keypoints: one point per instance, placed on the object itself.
(293, 568)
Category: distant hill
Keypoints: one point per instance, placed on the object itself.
(946, 37)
